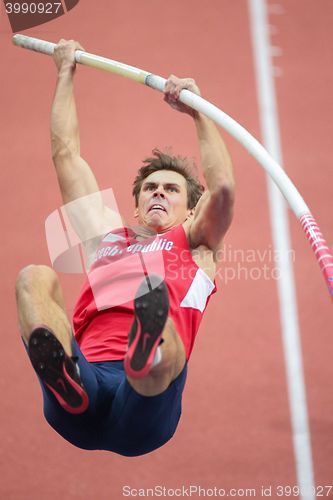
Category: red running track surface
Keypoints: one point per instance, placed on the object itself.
(235, 430)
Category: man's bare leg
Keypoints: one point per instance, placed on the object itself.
(46, 331)
(172, 363)
(40, 302)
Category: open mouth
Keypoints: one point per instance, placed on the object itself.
(157, 206)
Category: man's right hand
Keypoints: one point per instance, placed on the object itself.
(64, 54)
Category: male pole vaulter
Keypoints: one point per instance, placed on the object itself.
(117, 383)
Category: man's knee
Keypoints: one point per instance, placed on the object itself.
(33, 275)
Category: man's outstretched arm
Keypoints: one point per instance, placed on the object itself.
(214, 210)
(88, 214)
(75, 177)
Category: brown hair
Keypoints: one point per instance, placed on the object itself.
(165, 161)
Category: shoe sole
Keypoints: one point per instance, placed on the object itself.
(57, 370)
(151, 307)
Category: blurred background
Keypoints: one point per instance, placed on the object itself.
(235, 430)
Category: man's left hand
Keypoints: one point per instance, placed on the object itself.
(172, 90)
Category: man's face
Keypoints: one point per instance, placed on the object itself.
(163, 201)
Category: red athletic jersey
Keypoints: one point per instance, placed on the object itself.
(104, 312)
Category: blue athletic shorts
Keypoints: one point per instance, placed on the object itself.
(118, 418)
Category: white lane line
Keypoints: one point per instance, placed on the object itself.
(281, 238)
